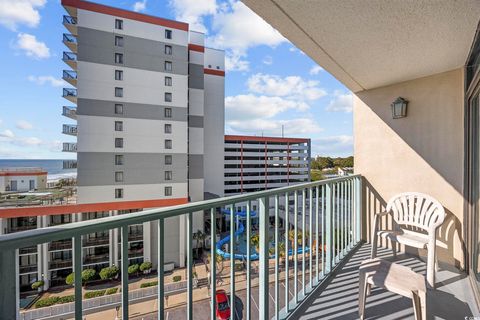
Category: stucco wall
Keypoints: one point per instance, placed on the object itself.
(422, 152)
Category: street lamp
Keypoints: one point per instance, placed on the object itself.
(399, 108)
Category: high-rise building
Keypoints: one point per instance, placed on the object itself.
(148, 101)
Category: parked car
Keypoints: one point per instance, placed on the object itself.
(223, 305)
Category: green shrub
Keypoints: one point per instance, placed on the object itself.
(109, 272)
(88, 275)
(93, 294)
(149, 284)
(133, 269)
(147, 265)
(50, 301)
(37, 284)
(176, 278)
(111, 291)
(70, 279)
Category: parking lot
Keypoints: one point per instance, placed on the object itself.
(201, 309)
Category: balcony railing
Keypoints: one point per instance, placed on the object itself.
(69, 129)
(70, 59)
(96, 241)
(59, 264)
(70, 41)
(69, 147)
(70, 77)
(70, 94)
(69, 20)
(60, 245)
(69, 164)
(323, 223)
(69, 112)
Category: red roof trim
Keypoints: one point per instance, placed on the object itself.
(196, 47)
(23, 173)
(100, 8)
(214, 72)
(88, 207)
(266, 139)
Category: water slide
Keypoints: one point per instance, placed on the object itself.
(239, 231)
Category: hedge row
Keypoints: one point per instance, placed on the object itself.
(149, 284)
(50, 301)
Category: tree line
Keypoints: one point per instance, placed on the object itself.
(320, 163)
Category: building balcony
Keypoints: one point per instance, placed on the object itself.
(70, 23)
(69, 147)
(69, 129)
(27, 268)
(96, 259)
(70, 77)
(69, 164)
(70, 94)
(96, 241)
(60, 245)
(69, 112)
(60, 264)
(70, 41)
(70, 59)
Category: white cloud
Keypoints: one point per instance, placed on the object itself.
(7, 134)
(268, 60)
(298, 126)
(341, 102)
(341, 145)
(193, 12)
(18, 12)
(250, 107)
(41, 80)
(24, 125)
(140, 6)
(292, 86)
(315, 70)
(235, 62)
(32, 47)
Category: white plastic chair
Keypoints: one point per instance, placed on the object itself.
(418, 216)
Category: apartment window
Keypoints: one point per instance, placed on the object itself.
(119, 58)
(168, 112)
(118, 75)
(118, 108)
(118, 193)
(118, 125)
(168, 81)
(118, 92)
(168, 49)
(119, 41)
(118, 142)
(168, 175)
(168, 34)
(168, 144)
(168, 66)
(168, 159)
(168, 128)
(168, 191)
(119, 159)
(168, 97)
(118, 24)
(118, 176)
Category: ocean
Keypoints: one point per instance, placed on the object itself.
(53, 167)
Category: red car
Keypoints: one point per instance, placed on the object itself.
(223, 305)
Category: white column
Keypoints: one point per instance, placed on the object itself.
(114, 244)
(182, 242)
(147, 242)
(42, 255)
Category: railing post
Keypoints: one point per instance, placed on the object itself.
(213, 261)
(124, 270)
(263, 259)
(9, 295)
(160, 268)
(189, 267)
(77, 269)
(328, 227)
(358, 207)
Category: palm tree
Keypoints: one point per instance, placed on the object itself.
(255, 241)
(198, 236)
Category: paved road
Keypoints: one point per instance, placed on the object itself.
(201, 309)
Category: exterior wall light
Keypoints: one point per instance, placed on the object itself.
(399, 108)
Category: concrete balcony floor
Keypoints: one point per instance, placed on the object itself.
(338, 299)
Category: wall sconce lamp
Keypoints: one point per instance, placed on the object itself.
(399, 108)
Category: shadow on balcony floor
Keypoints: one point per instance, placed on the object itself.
(453, 298)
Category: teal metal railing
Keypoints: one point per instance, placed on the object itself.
(321, 224)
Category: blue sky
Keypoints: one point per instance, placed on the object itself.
(269, 82)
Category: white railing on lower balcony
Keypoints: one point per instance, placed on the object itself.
(321, 225)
